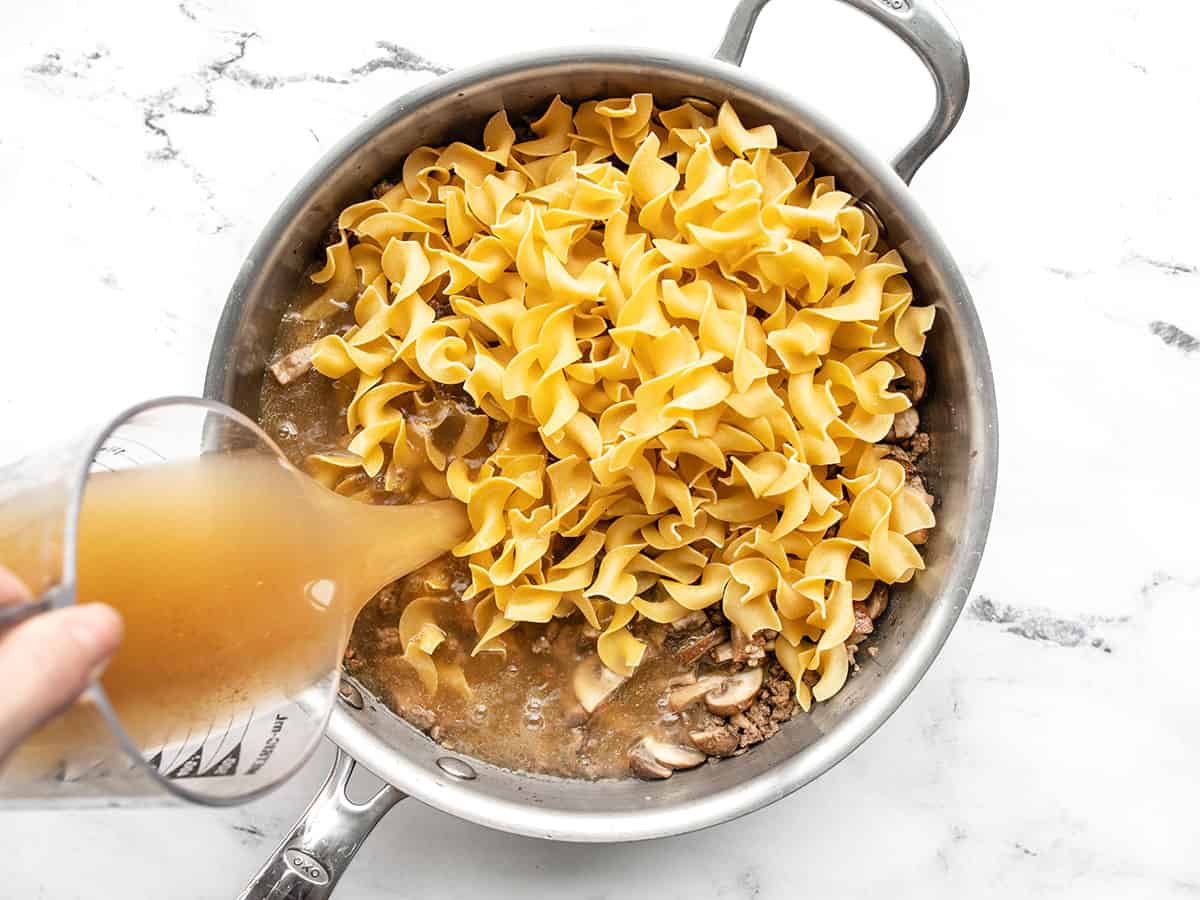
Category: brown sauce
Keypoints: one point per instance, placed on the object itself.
(520, 710)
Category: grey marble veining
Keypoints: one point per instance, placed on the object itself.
(1051, 750)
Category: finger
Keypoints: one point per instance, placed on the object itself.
(48, 661)
(12, 588)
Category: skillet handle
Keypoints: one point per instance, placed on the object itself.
(309, 861)
(924, 27)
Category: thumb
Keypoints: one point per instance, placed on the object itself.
(48, 661)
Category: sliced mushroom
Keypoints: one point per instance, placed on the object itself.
(718, 740)
(684, 696)
(904, 426)
(657, 759)
(723, 653)
(593, 682)
(693, 621)
(914, 374)
(735, 693)
(877, 602)
(696, 647)
(675, 756)
(288, 368)
(863, 624)
(643, 764)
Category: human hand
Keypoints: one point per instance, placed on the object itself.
(48, 660)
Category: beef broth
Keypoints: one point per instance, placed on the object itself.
(237, 579)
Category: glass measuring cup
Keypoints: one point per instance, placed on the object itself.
(238, 578)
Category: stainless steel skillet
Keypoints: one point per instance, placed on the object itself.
(960, 413)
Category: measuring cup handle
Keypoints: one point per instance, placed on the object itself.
(11, 616)
(59, 595)
(924, 27)
(309, 861)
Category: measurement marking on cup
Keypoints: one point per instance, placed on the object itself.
(219, 750)
(179, 753)
(268, 746)
(191, 766)
(221, 761)
(124, 452)
(113, 446)
(896, 5)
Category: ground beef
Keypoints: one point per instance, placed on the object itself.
(918, 444)
(775, 704)
(523, 131)
(390, 599)
(333, 234)
(732, 736)
(382, 188)
(420, 716)
(441, 306)
(456, 394)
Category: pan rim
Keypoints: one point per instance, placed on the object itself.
(459, 798)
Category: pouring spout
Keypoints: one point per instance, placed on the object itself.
(389, 542)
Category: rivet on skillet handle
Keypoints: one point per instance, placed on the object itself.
(309, 861)
(924, 27)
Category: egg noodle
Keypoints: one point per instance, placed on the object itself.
(690, 340)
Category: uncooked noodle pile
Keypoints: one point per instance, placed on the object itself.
(690, 341)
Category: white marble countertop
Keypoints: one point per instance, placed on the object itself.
(1051, 750)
